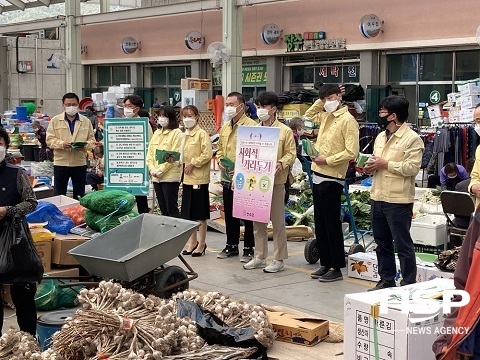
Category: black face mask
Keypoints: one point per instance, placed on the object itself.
(383, 122)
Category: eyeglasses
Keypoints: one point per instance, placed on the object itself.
(476, 121)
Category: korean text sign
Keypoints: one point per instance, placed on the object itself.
(126, 144)
(254, 177)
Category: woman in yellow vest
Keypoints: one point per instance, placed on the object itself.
(197, 154)
(166, 174)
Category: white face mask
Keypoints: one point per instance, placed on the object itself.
(231, 112)
(300, 132)
(189, 122)
(163, 121)
(3, 152)
(263, 114)
(71, 110)
(129, 113)
(477, 129)
(331, 105)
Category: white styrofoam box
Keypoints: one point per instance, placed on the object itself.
(433, 273)
(469, 101)
(352, 188)
(466, 115)
(470, 88)
(109, 96)
(97, 97)
(126, 86)
(431, 208)
(398, 335)
(62, 202)
(429, 230)
(453, 97)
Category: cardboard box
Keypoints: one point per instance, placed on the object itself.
(398, 335)
(429, 230)
(470, 101)
(453, 97)
(62, 202)
(44, 249)
(62, 244)
(187, 83)
(466, 115)
(470, 88)
(298, 329)
(70, 272)
(291, 110)
(434, 273)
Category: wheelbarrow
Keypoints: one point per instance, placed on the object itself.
(135, 254)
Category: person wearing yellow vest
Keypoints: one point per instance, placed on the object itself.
(337, 144)
(132, 105)
(166, 176)
(197, 154)
(267, 103)
(474, 186)
(70, 162)
(235, 112)
(396, 160)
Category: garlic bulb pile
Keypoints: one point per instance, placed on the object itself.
(234, 313)
(17, 345)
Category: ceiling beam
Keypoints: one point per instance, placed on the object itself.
(1, 8)
(33, 4)
(32, 25)
(18, 4)
(45, 2)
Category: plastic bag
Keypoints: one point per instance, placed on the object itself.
(367, 181)
(47, 212)
(103, 223)
(108, 201)
(76, 213)
(214, 331)
(50, 296)
(39, 233)
(19, 259)
(297, 168)
(44, 168)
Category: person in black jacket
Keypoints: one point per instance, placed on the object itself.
(17, 198)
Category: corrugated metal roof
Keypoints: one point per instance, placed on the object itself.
(12, 5)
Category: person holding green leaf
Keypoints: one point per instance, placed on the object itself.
(162, 161)
(226, 153)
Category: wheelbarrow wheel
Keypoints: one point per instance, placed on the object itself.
(170, 276)
(311, 252)
(355, 248)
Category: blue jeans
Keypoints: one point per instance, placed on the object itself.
(389, 222)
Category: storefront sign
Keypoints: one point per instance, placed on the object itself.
(254, 75)
(435, 97)
(194, 40)
(255, 172)
(129, 45)
(126, 147)
(313, 41)
(370, 26)
(270, 34)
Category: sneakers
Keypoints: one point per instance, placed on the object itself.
(331, 275)
(229, 251)
(383, 284)
(320, 272)
(247, 255)
(255, 263)
(274, 266)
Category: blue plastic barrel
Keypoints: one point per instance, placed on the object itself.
(49, 323)
(22, 113)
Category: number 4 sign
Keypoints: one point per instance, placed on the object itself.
(435, 97)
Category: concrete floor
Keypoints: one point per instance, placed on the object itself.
(292, 288)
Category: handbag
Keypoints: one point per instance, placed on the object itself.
(447, 259)
(19, 259)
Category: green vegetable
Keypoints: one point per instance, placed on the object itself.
(107, 201)
(103, 223)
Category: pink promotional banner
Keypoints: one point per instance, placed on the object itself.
(254, 177)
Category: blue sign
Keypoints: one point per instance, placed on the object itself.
(126, 145)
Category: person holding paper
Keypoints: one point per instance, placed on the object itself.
(227, 142)
(166, 173)
(337, 144)
(267, 103)
(196, 148)
(396, 160)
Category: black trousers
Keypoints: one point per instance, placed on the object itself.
(232, 224)
(94, 180)
(142, 204)
(23, 296)
(63, 173)
(167, 196)
(392, 222)
(328, 225)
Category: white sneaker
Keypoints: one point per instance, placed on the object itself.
(255, 263)
(274, 266)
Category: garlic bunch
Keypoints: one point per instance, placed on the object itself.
(17, 345)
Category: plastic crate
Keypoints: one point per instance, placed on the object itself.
(428, 249)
